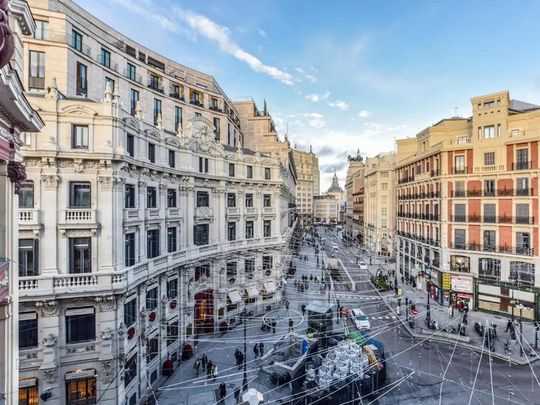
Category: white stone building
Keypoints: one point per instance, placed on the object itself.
(145, 223)
(325, 209)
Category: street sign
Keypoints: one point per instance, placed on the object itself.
(446, 281)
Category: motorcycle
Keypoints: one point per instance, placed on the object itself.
(479, 328)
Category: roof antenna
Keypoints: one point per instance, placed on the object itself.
(455, 112)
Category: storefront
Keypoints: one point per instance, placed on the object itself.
(505, 298)
(462, 291)
(435, 291)
(28, 391)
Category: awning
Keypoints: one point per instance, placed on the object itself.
(252, 292)
(270, 287)
(79, 374)
(28, 382)
(234, 296)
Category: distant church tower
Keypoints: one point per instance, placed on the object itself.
(335, 189)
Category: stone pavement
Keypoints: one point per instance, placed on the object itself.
(440, 314)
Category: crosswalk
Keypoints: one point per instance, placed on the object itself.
(376, 318)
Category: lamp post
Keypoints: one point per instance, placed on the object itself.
(244, 382)
(428, 312)
(521, 330)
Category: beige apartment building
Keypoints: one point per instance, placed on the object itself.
(308, 183)
(467, 208)
(355, 171)
(325, 209)
(379, 203)
(145, 221)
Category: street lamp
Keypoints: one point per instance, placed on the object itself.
(244, 382)
(520, 329)
(428, 312)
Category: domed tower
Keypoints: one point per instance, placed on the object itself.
(335, 189)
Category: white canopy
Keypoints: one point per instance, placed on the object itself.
(234, 296)
(252, 292)
(270, 287)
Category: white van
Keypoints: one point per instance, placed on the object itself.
(360, 320)
(362, 265)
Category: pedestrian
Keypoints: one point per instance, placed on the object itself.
(287, 304)
(509, 326)
(236, 356)
(222, 390)
(197, 366)
(274, 326)
(450, 311)
(291, 324)
(303, 309)
(240, 360)
(256, 350)
(214, 372)
(237, 392)
(204, 362)
(209, 369)
(261, 348)
(311, 277)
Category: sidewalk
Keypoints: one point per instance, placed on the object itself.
(439, 313)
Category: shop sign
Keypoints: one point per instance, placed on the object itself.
(446, 281)
(462, 284)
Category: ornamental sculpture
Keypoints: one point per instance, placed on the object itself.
(7, 44)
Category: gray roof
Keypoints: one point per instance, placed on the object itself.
(522, 106)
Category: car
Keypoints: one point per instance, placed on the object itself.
(335, 247)
(362, 265)
(360, 320)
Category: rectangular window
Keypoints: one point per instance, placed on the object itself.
(80, 325)
(231, 231)
(249, 200)
(231, 169)
(110, 81)
(267, 262)
(249, 268)
(151, 197)
(231, 200)
(489, 268)
(522, 161)
(130, 312)
(203, 199)
(151, 298)
(490, 241)
(203, 165)
(172, 245)
(267, 173)
(76, 40)
(28, 257)
(130, 370)
(152, 243)
(79, 195)
(489, 188)
(105, 58)
(489, 213)
(28, 330)
(522, 213)
(172, 159)
(152, 152)
(384, 186)
(157, 110)
(459, 164)
(459, 238)
(79, 136)
(82, 80)
(131, 72)
(37, 70)
(522, 272)
(129, 196)
(523, 243)
(177, 118)
(81, 391)
(232, 269)
(267, 200)
(459, 189)
(201, 234)
(249, 229)
(489, 159)
(172, 332)
(79, 255)
(26, 195)
(267, 229)
(129, 246)
(171, 198)
(217, 130)
(522, 186)
(489, 132)
(130, 145)
(154, 82)
(249, 172)
(175, 91)
(172, 288)
(42, 30)
(133, 100)
(202, 272)
(459, 213)
(152, 350)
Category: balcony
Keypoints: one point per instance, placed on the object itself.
(177, 96)
(173, 212)
(135, 77)
(459, 170)
(435, 173)
(459, 218)
(512, 250)
(524, 192)
(269, 211)
(151, 214)
(155, 85)
(233, 212)
(106, 62)
(78, 216)
(215, 108)
(29, 217)
(131, 214)
(197, 103)
(522, 165)
(204, 214)
(251, 211)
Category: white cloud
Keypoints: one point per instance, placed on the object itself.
(364, 114)
(313, 97)
(311, 78)
(315, 120)
(342, 105)
(299, 70)
(262, 33)
(222, 36)
(307, 76)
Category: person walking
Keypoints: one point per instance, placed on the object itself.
(204, 361)
(240, 360)
(236, 356)
(209, 366)
(291, 324)
(303, 309)
(197, 366)
(450, 311)
(287, 304)
(274, 326)
(214, 371)
(509, 326)
(261, 348)
(222, 390)
(256, 350)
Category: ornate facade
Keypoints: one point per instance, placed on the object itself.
(147, 224)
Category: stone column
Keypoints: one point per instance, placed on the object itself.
(142, 207)
(49, 209)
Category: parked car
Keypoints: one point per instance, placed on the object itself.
(362, 265)
(360, 320)
(335, 247)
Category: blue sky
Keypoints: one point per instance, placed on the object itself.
(346, 75)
